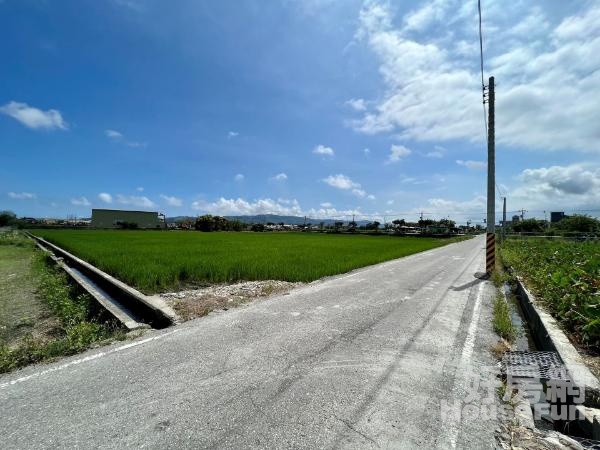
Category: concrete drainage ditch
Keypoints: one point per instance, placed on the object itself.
(131, 307)
(556, 390)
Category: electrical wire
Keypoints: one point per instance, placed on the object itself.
(481, 63)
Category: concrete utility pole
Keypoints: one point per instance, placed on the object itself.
(490, 253)
(503, 218)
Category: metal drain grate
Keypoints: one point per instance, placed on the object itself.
(538, 365)
(587, 443)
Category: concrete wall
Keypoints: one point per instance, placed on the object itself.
(110, 218)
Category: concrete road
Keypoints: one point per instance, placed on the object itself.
(363, 360)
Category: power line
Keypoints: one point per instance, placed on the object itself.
(481, 61)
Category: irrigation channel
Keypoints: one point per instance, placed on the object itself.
(131, 307)
(529, 343)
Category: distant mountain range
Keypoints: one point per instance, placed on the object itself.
(264, 218)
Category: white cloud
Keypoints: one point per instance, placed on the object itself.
(240, 206)
(563, 187)
(134, 200)
(473, 165)
(437, 153)
(357, 104)
(139, 189)
(239, 177)
(341, 181)
(397, 152)
(279, 177)
(344, 183)
(549, 75)
(326, 205)
(113, 135)
(390, 202)
(105, 197)
(232, 134)
(117, 136)
(367, 151)
(460, 211)
(80, 201)
(323, 150)
(171, 201)
(22, 195)
(34, 118)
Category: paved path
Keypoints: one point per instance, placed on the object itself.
(362, 360)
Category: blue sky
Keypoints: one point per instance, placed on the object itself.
(296, 107)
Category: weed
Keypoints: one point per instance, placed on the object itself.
(565, 275)
(502, 322)
(78, 330)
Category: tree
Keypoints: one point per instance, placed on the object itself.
(578, 223)
(7, 218)
(528, 226)
(352, 226)
(399, 222)
(338, 226)
(426, 222)
(447, 223)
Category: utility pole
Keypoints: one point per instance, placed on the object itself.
(490, 253)
(503, 218)
(523, 214)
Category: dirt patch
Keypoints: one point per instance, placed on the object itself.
(190, 304)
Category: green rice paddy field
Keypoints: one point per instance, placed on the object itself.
(155, 261)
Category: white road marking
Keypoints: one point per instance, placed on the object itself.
(466, 354)
(86, 359)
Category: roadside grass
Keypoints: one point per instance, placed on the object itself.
(503, 325)
(157, 261)
(565, 276)
(69, 321)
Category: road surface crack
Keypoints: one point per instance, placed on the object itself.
(349, 425)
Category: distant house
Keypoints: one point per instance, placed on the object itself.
(116, 218)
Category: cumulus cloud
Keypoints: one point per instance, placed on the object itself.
(171, 201)
(80, 201)
(550, 74)
(357, 104)
(326, 205)
(397, 152)
(323, 150)
(239, 177)
(279, 177)
(105, 197)
(232, 134)
(473, 165)
(568, 186)
(34, 118)
(239, 206)
(343, 182)
(234, 207)
(22, 195)
(437, 208)
(134, 200)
